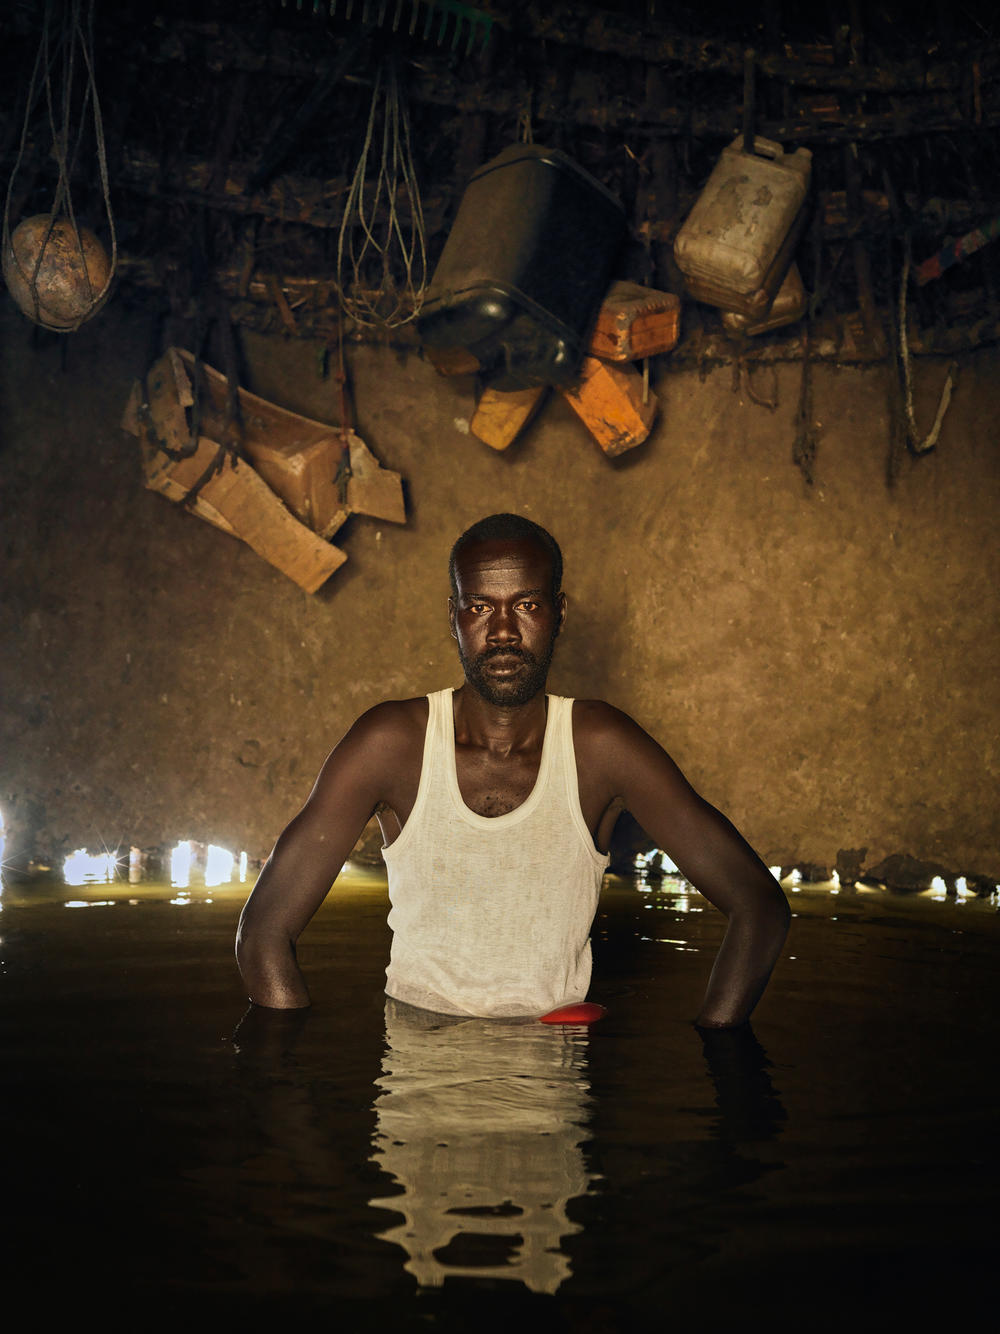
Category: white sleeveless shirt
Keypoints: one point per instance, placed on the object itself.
(491, 916)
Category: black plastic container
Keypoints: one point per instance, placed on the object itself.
(524, 268)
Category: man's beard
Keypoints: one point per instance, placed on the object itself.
(506, 693)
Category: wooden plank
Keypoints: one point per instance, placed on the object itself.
(289, 52)
(168, 391)
(236, 499)
(304, 478)
(299, 459)
(296, 456)
(131, 420)
(156, 471)
(372, 489)
(239, 502)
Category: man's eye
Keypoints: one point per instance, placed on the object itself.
(529, 606)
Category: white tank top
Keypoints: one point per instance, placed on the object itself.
(491, 915)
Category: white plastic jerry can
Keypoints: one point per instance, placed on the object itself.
(736, 244)
(787, 307)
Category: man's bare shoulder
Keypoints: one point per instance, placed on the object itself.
(609, 741)
(394, 723)
(383, 748)
(619, 760)
(597, 720)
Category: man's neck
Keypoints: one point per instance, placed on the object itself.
(500, 730)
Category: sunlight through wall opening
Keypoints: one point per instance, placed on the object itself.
(180, 865)
(939, 888)
(219, 866)
(90, 868)
(187, 862)
(655, 861)
(212, 864)
(190, 863)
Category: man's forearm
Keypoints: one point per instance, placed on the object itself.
(270, 971)
(748, 953)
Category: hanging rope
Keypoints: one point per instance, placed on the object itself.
(55, 74)
(930, 440)
(806, 434)
(343, 474)
(806, 437)
(370, 293)
(525, 132)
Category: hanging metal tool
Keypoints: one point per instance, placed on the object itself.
(430, 20)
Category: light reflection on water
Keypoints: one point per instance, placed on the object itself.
(150, 887)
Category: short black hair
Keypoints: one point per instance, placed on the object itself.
(508, 528)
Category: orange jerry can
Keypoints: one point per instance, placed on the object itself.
(635, 322)
(609, 400)
(502, 414)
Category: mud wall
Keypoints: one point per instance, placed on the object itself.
(820, 660)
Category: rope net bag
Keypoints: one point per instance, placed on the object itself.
(382, 260)
(58, 272)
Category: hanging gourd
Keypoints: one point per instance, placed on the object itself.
(58, 271)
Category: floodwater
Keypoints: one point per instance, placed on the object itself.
(169, 1157)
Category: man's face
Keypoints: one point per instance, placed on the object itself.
(505, 620)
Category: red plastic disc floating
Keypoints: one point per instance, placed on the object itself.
(582, 1012)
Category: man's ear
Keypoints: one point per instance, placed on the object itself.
(561, 605)
(451, 618)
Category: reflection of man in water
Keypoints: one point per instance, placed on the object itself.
(496, 803)
(480, 1122)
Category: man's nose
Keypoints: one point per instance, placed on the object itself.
(503, 627)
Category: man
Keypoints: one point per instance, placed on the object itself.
(496, 804)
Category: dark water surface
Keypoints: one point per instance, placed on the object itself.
(167, 1160)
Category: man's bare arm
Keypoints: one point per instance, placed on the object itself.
(307, 859)
(710, 853)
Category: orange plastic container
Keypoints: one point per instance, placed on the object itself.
(635, 322)
(609, 400)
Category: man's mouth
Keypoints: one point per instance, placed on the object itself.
(504, 662)
(502, 666)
